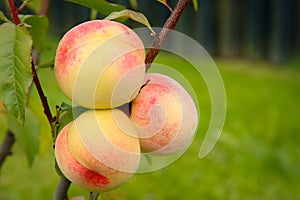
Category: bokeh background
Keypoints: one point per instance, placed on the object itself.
(253, 29)
(256, 46)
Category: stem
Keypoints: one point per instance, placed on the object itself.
(6, 146)
(163, 35)
(169, 7)
(14, 11)
(62, 189)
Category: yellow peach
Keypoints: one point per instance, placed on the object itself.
(100, 64)
(165, 116)
(99, 150)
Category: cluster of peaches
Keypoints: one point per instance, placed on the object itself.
(100, 65)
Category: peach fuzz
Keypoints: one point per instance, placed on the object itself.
(100, 56)
(165, 116)
(79, 158)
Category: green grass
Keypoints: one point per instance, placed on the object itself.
(256, 157)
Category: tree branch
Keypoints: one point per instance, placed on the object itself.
(6, 146)
(163, 35)
(62, 189)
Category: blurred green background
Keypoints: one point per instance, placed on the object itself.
(258, 153)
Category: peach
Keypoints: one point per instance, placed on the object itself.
(100, 64)
(99, 150)
(165, 116)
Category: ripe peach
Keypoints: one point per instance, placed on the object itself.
(100, 64)
(99, 150)
(165, 115)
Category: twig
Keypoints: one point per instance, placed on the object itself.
(62, 189)
(41, 94)
(163, 35)
(22, 6)
(6, 146)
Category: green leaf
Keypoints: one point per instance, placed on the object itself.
(27, 135)
(38, 29)
(136, 16)
(15, 68)
(3, 17)
(101, 6)
(195, 3)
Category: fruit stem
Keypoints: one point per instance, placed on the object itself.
(163, 35)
